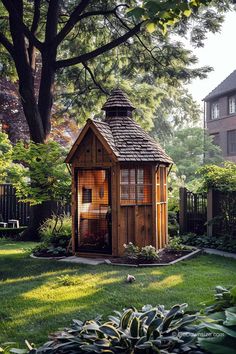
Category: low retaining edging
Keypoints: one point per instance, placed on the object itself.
(55, 258)
(219, 253)
(187, 256)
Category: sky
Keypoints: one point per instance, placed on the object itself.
(218, 52)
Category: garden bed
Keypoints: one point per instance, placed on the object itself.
(166, 257)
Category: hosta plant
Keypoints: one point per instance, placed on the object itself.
(148, 253)
(223, 298)
(151, 330)
(131, 251)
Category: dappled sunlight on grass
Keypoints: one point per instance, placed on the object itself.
(39, 296)
(167, 282)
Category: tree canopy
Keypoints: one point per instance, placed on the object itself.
(75, 44)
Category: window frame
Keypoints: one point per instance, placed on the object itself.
(135, 185)
(214, 105)
(229, 152)
(233, 97)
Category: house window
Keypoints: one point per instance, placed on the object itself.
(231, 142)
(135, 186)
(86, 195)
(215, 113)
(232, 105)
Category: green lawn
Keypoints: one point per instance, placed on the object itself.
(34, 302)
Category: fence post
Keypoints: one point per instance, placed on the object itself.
(209, 212)
(182, 209)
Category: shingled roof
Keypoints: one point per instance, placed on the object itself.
(226, 86)
(118, 99)
(127, 140)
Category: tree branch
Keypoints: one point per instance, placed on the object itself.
(98, 51)
(13, 12)
(34, 28)
(93, 78)
(140, 41)
(76, 17)
(7, 44)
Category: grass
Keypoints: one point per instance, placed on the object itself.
(39, 296)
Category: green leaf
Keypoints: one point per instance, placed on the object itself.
(220, 328)
(230, 317)
(153, 327)
(109, 331)
(214, 347)
(137, 12)
(124, 322)
(134, 327)
(169, 317)
(187, 12)
(151, 27)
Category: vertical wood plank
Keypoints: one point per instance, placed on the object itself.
(154, 208)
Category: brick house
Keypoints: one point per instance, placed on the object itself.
(220, 116)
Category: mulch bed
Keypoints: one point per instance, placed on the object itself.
(165, 256)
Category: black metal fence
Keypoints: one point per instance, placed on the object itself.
(222, 213)
(193, 212)
(10, 207)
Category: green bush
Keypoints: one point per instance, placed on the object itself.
(148, 253)
(221, 243)
(151, 330)
(56, 231)
(176, 244)
(173, 225)
(46, 250)
(131, 251)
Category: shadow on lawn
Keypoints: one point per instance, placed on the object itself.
(34, 301)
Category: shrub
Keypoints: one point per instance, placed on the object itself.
(175, 244)
(148, 253)
(221, 243)
(56, 231)
(131, 251)
(151, 330)
(173, 225)
(46, 250)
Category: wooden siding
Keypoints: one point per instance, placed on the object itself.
(135, 226)
(91, 152)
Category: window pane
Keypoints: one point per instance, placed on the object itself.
(140, 193)
(132, 176)
(232, 142)
(132, 192)
(232, 105)
(124, 192)
(140, 176)
(124, 176)
(86, 195)
(215, 110)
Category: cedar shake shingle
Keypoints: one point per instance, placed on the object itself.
(127, 140)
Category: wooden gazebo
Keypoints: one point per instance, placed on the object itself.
(119, 183)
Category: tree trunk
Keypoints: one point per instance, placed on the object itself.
(38, 214)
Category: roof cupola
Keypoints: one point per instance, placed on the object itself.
(118, 105)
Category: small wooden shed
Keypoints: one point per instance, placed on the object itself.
(119, 183)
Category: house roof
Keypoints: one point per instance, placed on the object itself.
(118, 99)
(126, 139)
(226, 86)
